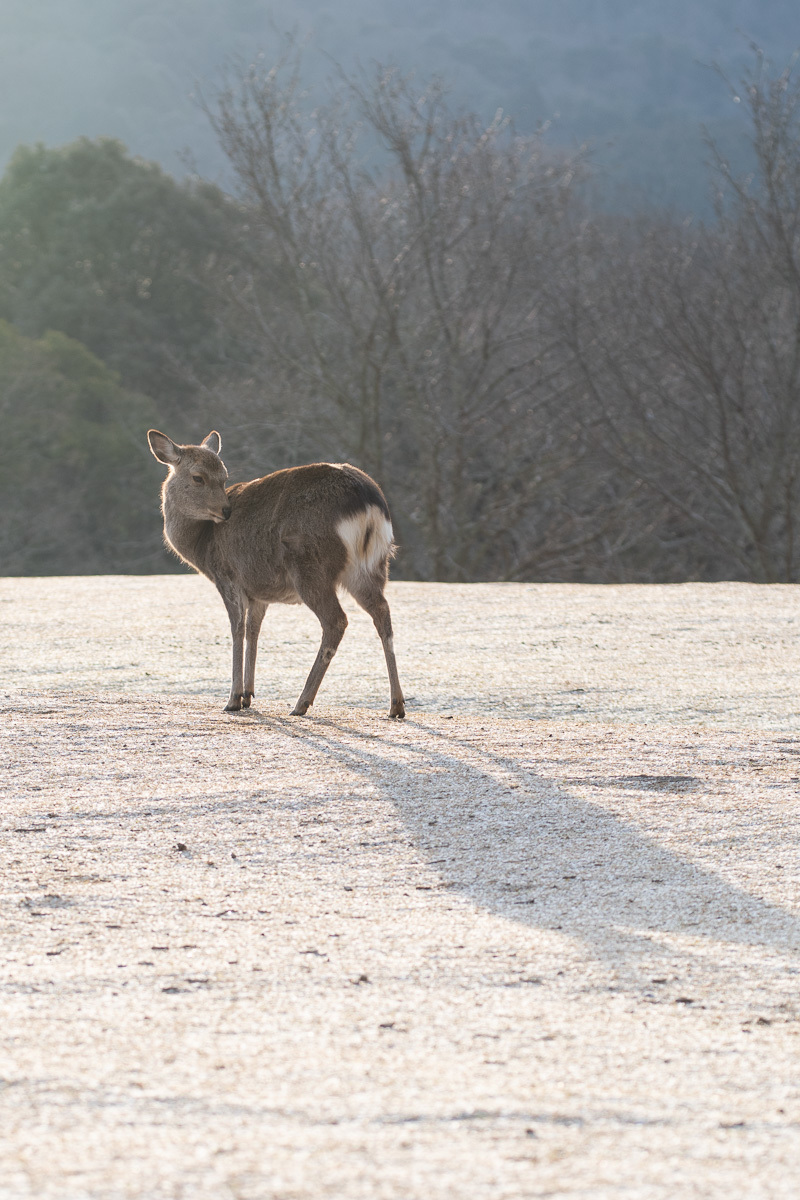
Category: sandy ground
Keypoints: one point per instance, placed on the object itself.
(540, 939)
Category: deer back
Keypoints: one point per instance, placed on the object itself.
(317, 519)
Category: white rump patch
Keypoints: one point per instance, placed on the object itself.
(367, 537)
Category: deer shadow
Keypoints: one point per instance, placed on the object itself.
(523, 847)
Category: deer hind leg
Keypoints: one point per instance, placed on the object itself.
(252, 627)
(368, 591)
(325, 606)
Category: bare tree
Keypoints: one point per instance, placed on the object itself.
(397, 299)
(687, 340)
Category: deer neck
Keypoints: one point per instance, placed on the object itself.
(187, 536)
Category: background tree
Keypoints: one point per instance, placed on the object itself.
(116, 254)
(688, 343)
(546, 392)
(396, 304)
(76, 492)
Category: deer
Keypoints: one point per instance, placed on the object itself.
(297, 536)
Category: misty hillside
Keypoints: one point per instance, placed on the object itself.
(633, 79)
(546, 390)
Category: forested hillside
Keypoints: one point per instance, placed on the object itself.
(546, 390)
(117, 254)
(631, 77)
(74, 475)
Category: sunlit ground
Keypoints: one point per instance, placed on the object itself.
(541, 938)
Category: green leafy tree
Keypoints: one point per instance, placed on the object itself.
(77, 492)
(115, 253)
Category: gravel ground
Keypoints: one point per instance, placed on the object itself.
(540, 939)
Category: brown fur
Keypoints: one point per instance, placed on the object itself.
(293, 537)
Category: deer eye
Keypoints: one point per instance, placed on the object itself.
(198, 479)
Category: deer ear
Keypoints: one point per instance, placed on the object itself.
(164, 449)
(212, 442)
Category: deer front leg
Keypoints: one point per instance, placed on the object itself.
(255, 615)
(235, 604)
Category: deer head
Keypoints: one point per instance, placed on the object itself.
(196, 481)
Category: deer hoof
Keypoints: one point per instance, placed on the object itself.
(398, 710)
(246, 698)
(299, 710)
(234, 704)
